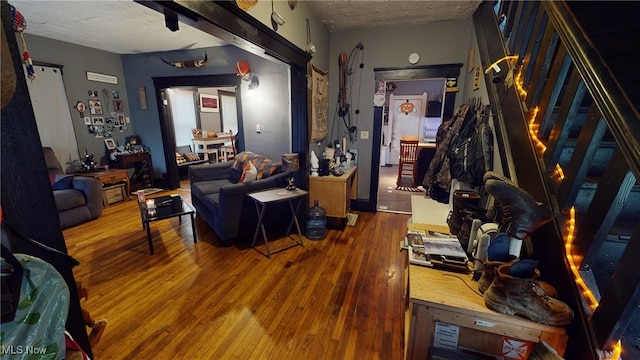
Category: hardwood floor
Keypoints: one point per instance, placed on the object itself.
(337, 298)
(389, 198)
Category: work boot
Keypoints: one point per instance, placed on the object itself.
(490, 175)
(494, 214)
(498, 255)
(523, 296)
(462, 199)
(489, 273)
(521, 214)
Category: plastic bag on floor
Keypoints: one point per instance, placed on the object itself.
(37, 331)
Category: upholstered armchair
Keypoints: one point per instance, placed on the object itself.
(78, 198)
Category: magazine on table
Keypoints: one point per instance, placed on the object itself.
(439, 252)
(418, 257)
(448, 248)
(412, 238)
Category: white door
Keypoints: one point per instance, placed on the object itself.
(405, 113)
(229, 112)
(51, 109)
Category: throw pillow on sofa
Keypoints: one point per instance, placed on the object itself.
(268, 168)
(249, 173)
(63, 183)
(238, 163)
(191, 156)
(180, 159)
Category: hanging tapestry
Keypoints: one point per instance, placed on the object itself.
(318, 103)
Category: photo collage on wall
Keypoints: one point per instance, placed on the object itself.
(105, 113)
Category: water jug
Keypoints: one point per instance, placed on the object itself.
(316, 222)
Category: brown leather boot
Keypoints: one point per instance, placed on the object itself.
(495, 176)
(521, 214)
(517, 296)
(491, 268)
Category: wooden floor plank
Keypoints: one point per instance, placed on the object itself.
(337, 298)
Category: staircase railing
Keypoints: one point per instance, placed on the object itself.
(576, 136)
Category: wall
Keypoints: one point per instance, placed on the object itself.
(437, 43)
(209, 121)
(269, 106)
(295, 28)
(76, 61)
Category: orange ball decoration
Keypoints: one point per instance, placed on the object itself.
(242, 69)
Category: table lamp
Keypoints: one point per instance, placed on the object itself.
(291, 163)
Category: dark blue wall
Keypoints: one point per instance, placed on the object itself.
(268, 106)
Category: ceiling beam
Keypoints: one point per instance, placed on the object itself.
(226, 21)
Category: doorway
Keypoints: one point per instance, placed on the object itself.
(413, 110)
(172, 177)
(228, 112)
(49, 101)
(393, 78)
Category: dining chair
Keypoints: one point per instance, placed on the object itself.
(408, 164)
(228, 150)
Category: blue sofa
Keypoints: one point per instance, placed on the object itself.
(222, 202)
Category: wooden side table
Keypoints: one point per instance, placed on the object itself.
(143, 175)
(109, 177)
(334, 193)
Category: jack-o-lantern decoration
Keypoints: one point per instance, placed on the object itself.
(243, 70)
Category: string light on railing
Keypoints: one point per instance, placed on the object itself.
(519, 82)
(533, 129)
(589, 298)
(592, 302)
(559, 173)
(617, 350)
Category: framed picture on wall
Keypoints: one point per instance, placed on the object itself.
(110, 143)
(118, 105)
(95, 107)
(98, 120)
(120, 121)
(209, 103)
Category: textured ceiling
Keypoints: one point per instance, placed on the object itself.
(125, 27)
(117, 26)
(340, 15)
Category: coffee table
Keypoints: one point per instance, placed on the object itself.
(270, 196)
(166, 207)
